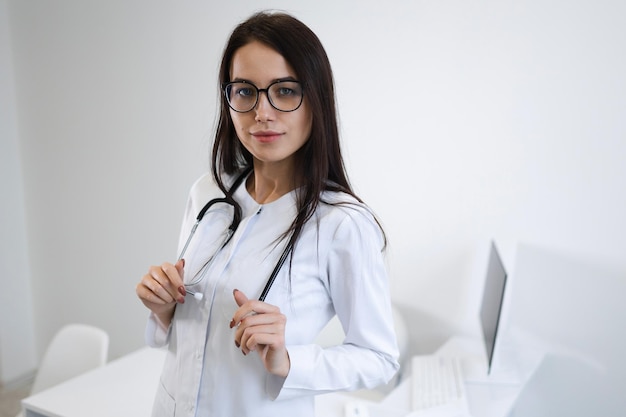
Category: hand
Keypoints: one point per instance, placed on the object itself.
(261, 328)
(161, 288)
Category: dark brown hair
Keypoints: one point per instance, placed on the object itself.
(319, 161)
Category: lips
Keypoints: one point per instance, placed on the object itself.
(266, 136)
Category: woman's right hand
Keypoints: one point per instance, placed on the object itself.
(161, 288)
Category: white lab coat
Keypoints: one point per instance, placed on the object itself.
(338, 268)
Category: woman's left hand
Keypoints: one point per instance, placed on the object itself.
(261, 328)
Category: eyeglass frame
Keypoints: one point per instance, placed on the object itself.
(258, 94)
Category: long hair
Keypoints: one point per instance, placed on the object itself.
(320, 164)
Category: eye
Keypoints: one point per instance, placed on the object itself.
(286, 91)
(243, 91)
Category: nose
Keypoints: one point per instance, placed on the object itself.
(263, 110)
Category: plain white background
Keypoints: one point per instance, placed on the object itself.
(461, 122)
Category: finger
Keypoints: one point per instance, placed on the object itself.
(170, 278)
(258, 306)
(150, 291)
(240, 297)
(258, 324)
(252, 309)
(260, 340)
(245, 308)
(266, 334)
(180, 268)
(159, 281)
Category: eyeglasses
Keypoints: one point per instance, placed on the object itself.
(243, 96)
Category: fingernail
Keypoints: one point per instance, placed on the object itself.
(182, 290)
(232, 323)
(244, 353)
(235, 290)
(183, 262)
(237, 344)
(181, 300)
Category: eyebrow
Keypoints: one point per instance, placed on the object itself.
(275, 80)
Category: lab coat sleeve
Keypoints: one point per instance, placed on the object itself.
(360, 294)
(156, 334)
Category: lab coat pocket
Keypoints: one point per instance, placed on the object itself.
(164, 403)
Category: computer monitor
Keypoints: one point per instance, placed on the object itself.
(485, 358)
(492, 301)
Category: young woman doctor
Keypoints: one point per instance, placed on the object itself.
(282, 192)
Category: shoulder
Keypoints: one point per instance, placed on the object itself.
(205, 188)
(340, 204)
(347, 215)
(206, 185)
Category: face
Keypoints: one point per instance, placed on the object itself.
(270, 135)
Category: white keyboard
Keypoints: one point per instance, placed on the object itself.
(437, 381)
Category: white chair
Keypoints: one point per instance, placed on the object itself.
(74, 349)
(333, 334)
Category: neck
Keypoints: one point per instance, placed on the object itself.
(267, 185)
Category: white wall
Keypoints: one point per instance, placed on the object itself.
(17, 337)
(462, 121)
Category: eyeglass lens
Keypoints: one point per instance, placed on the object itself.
(284, 96)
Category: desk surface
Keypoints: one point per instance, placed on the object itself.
(126, 387)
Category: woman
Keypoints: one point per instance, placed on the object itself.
(277, 166)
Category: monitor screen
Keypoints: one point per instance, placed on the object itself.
(491, 305)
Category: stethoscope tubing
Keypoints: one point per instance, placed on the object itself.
(230, 232)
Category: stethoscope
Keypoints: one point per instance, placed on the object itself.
(229, 234)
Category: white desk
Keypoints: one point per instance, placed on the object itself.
(484, 401)
(126, 387)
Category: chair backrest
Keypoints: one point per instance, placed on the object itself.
(75, 349)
